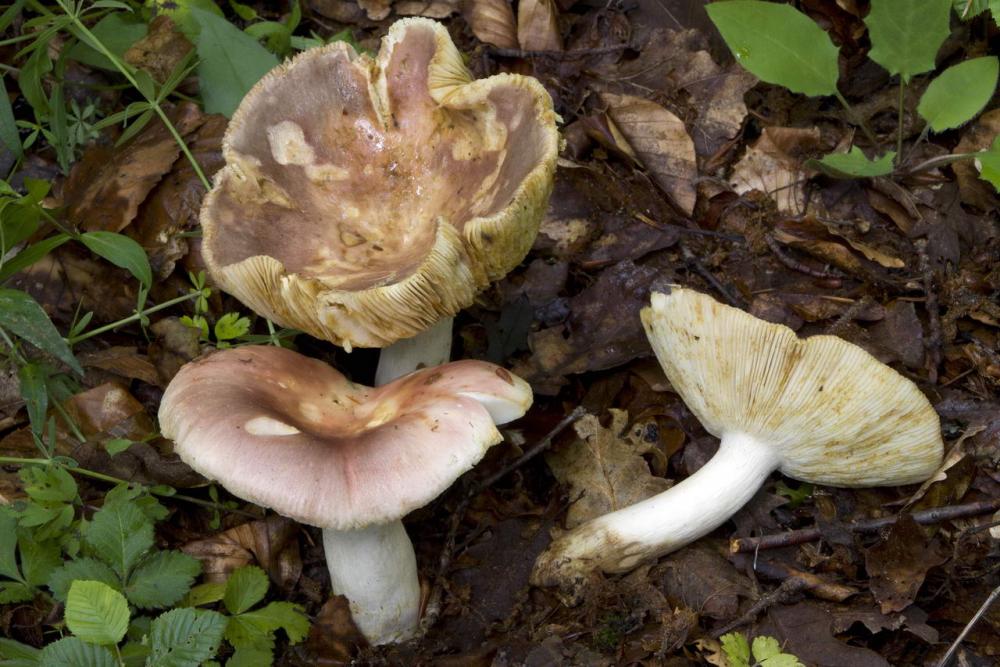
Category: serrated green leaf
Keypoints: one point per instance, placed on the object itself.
(117, 32)
(85, 569)
(74, 652)
(203, 594)
(31, 378)
(39, 558)
(249, 633)
(286, 616)
(765, 647)
(185, 637)
(9, 135)
(231, 62)
(781, 660)
(134, 654)
(48, 483)
(16, 654)
(119, 534)
(96, 613)
(736, 649)
(231, 326)
(245, 587)
(8, 545)
(162, 579)
(906, 34)
(15, 591)
(21, 315)
(778, 44)
(988, 164)
(959, 93)
(121, 251)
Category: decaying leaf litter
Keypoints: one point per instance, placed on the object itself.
(678, 166)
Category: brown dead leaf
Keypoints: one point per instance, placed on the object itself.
(111, 411)
(717, 95)
(774, 165)
(975, 191)
(604, 467)
(333, 637)
(897, 565)
(123, 361)
(271, 543)
(492, 22)
(376, 10)
(900, 334)
(538, 25)
(107, 185)
(432, 9)
(661, 142)
(806, 631)
(161, 50)
(875, 255)
(175, 345)
(813, 237)
(704, 581)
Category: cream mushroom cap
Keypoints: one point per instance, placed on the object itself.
(291, 433)
(363, 199)
(832, 412)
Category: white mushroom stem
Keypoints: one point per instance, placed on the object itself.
(376, 569)
(428, 348)
(619, 541)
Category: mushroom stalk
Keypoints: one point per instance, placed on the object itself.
(431, 347)
(376, 569)
(619, 541)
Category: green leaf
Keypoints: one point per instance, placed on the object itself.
(179, 12)
(8, 545)
(49, 483)
(245, 587)
(86, 569)
(96, 613)
(765, 647)
(906, 34)
(74, 652)
(959, 93)
(117, 32)
(778, 44)
(286, 616)
(231, 326)
(117, 445)
(185, 637)
(21, 315)
(247, 633)
(16, 654)
(736, 649)
(988, 163)
(119, 534)
(251, 657)
(162, 579)
(15, 591)
(781, 660)
(36, 397)
(8, 126)
(231, 62)
(38, 557)
(121, 251)
(203, 594)
(32, 254)
(30, 78)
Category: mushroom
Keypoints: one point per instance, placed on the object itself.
(365, 199)
(290, 433)
(819, 410)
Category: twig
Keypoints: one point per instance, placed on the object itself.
(816, 585)
(786, 592)
(433, 609)
(796, 265)
(943, 662)
(848, 316)
(709, 277)
(924, 517)
(933, 313)
(557, 55)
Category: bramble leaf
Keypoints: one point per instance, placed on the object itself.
(74, 652)
(162, 579)
(185, 637)
(119, 534)
(96, 613)
(245, 587)
(88, 569)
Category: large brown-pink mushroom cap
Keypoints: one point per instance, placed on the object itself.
(364, 198)
(291, 433)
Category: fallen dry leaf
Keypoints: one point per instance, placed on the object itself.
(492, 22)
(774, 165)
(604, 467)
(123, 361)
(175, 345)
(703, 580)
(107, 185)
(897, 565)
(979, 136)
(333, 638)
(806, 631)
(661, 142)
(376, 10)
(271, 543)
(162, 49)
(432, 9)
(538, 25)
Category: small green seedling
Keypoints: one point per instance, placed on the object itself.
(765, 652)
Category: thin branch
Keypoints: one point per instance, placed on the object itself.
(943, 662)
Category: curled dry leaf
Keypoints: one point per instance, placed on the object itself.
(107, 185)
(604, 467)
(123, 361)
(662, 144)
(774, 165)
(538, 25)
(492, 22)
(272, 543)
